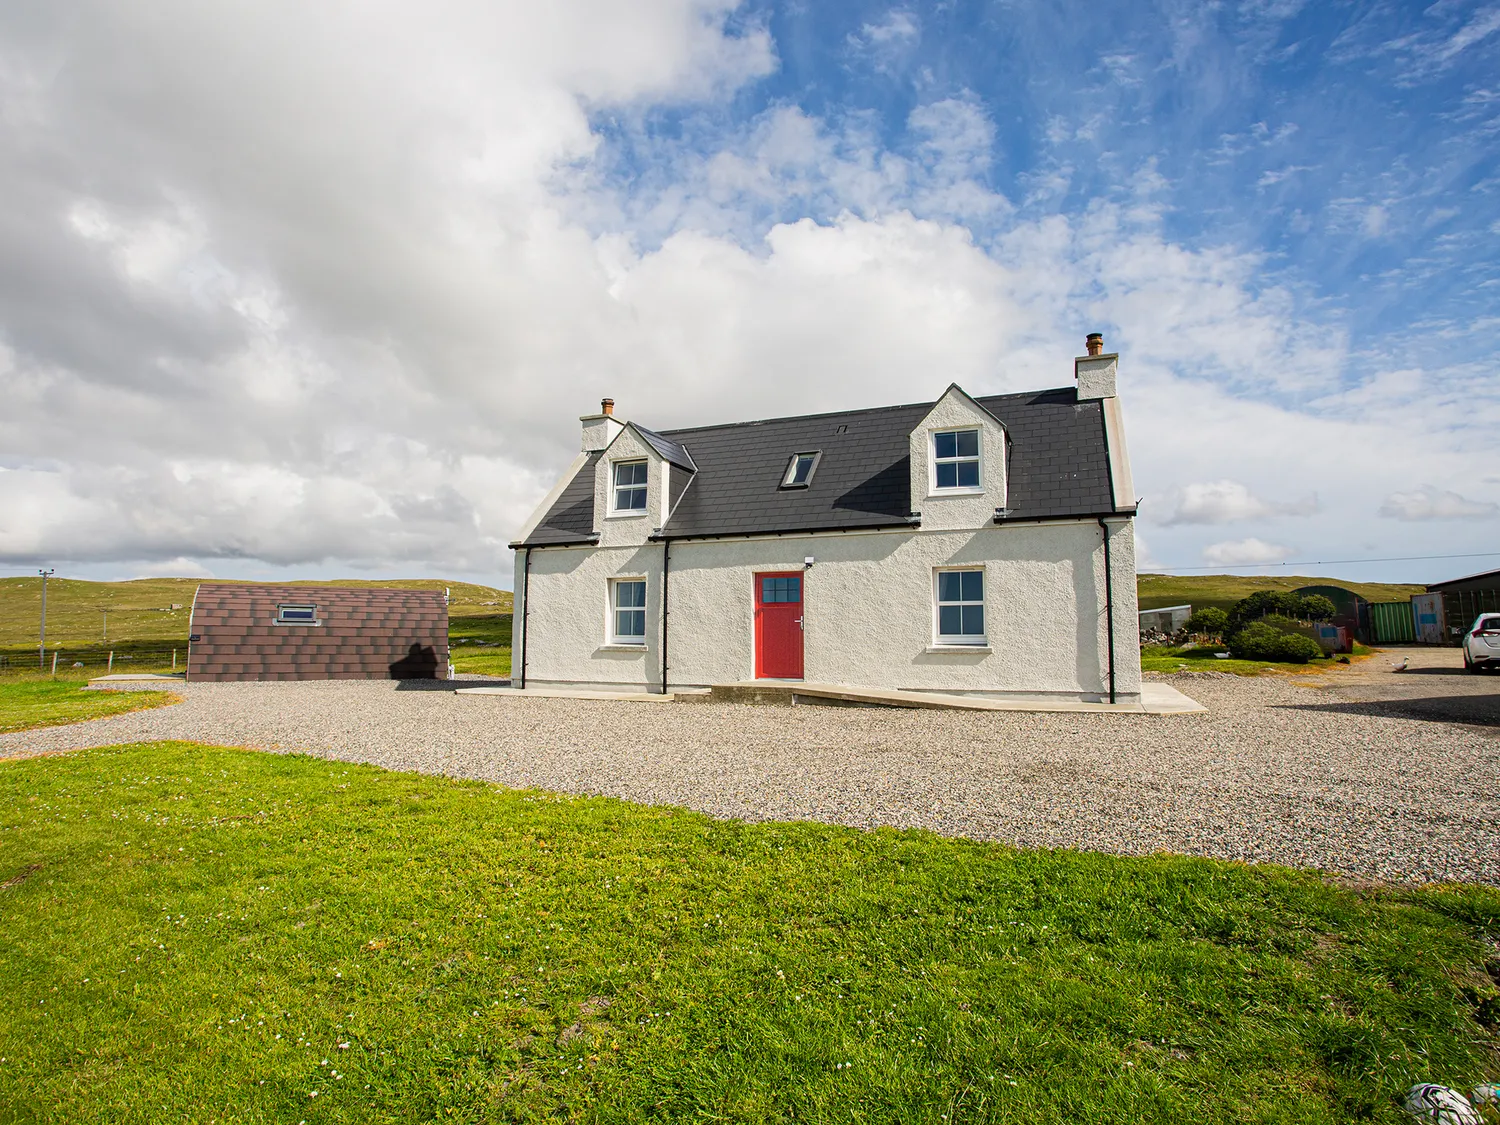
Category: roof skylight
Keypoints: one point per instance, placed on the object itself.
(800, 469)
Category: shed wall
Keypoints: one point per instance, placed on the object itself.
(363, 634)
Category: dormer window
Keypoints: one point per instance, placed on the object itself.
(630, 486)
(800, 468)
(955, 458)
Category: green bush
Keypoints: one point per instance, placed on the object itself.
(1261, 640)
(1295, 649)
(1276, 603)
(1210, 620)
(1315, 607)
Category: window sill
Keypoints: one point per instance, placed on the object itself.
(631, 515)
(940, 493)
(959, 648)
(623, 646)
(297, 624)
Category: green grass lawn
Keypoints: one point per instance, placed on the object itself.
(37, 701)
(480, 643)
(1175, 658)
(203, 934)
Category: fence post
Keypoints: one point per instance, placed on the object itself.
(174, 660)
(111, 667)
(54, 662)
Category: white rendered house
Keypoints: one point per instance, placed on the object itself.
(968, 545)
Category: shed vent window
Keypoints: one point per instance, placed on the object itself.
(297, 614)
(630, 486)
(960, 607)
(799, 470)
(628, 611)
(955, 458)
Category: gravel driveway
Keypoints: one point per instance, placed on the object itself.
(1368, 773)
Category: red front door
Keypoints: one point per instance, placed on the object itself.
(778, 626)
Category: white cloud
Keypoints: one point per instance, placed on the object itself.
(899, 26)
(1243, 552)
(1225, 501)
(180, 567)
(887, 43)
(344, 310)
(1429, 503)
(1145, 560)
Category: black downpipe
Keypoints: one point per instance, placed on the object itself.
(666, 564)
(1109, 608)
(525, 611)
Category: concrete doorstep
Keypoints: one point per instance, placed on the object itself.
(1156, 699)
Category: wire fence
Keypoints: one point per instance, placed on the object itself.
(94, 661)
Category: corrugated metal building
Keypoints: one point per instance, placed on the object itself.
(317, 633)
(1464, 599)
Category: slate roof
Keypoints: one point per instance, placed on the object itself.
(1059, 467)
(669, 449)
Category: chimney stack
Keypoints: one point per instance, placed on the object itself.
(600, 429)
(1095, 372)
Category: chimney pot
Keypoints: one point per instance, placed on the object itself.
(1094, 342)
(607, 406)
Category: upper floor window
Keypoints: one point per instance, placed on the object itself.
(296, 615)
(955, 458)
(630, 486)
(960, 607)
(799, 470)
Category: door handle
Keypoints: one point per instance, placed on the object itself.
(799, 622)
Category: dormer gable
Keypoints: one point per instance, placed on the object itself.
(958, 463)
(633, 484)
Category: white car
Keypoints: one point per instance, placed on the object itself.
(1482, 643)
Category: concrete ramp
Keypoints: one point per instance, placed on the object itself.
(1156, 699)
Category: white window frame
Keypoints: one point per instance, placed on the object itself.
(615, 609)
(282, 619)
(787, 480)
(965, 640)
(615, 488)
(977, 460)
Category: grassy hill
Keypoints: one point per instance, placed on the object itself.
(1223, 590)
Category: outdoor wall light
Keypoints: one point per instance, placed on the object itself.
(807, 562)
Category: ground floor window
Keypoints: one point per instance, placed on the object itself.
(627, 615)
(960, 607)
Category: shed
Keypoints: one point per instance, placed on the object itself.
(1464, 599)
(242, 632)
(1165, 619)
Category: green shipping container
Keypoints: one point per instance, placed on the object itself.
(1392, 623)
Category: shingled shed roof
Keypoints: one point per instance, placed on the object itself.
(1059, 467)
(359, 632)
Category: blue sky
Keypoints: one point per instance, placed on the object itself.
(317, 296)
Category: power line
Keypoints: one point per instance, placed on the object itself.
(1339, 562)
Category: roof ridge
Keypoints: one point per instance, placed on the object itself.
(846, 413)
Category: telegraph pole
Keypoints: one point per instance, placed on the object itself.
(41, 652)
